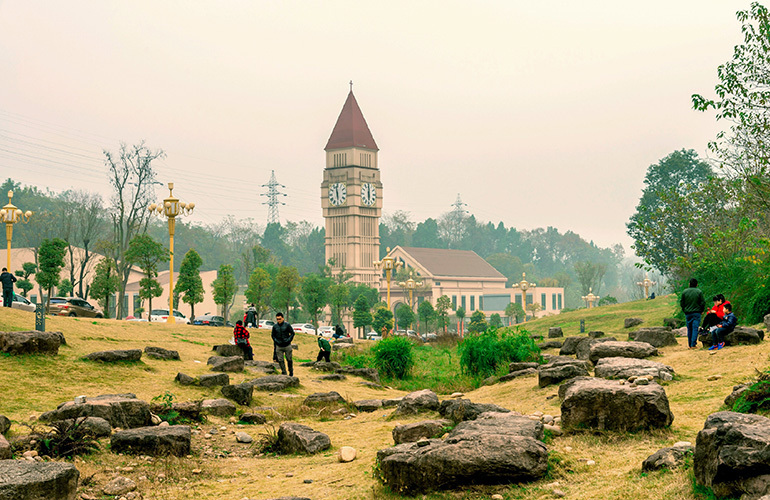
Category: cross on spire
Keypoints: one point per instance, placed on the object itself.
(351, 85)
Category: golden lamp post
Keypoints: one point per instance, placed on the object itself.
(646, 283)
(171, 208)
(11, 215)
(410, 285)
(524, 285)
(389, 264)
(590, 298)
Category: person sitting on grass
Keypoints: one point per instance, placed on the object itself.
(325, 350)
(241, 336)
(720, 331)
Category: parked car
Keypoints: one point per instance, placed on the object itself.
(429, 337)
(73, 306)
(325, 331)
(266, 323)
(304, 328)
(22, 303)
(134, 318)
(210, 320)
(399, 332)
(161, 315)
(373, 336)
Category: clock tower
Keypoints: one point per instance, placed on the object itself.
(351, 196)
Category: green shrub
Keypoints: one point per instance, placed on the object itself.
(482, 354)
(68, 438)
(756, 397)
(393, 357)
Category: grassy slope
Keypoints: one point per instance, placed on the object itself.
(31, 385)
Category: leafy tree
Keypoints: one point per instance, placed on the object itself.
(50, 262)
(443, 305)
(404, 316)
(65, 288)
(224, 288)
(478, 322)
(286, 283)
(361, 315)
(147, 253)
(383, 320)
(426, 312)
(313, 295)
(105, 283)
(372, 295)
(495, 321)
(189, 285)
(607, 300)
(339, 299)
(460, 314)
(590, 275)
(259, 290)
(24, 284)
(514, 310)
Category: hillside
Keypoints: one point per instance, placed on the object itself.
(32, 385)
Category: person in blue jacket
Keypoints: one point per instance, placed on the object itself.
(720, 331)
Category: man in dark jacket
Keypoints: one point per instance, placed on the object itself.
(693, 304)
(8, 280)
(282, 335)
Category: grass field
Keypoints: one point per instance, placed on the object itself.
(34, 384)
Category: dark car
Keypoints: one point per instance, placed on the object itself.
(73, 306)
(209, 320)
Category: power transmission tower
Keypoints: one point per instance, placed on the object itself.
(457, 216)
(272, 199)
(459, 211)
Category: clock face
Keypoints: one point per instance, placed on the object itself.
(368, 194)
(338, 193)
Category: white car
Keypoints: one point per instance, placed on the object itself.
(161, 316)
(266, 323)
(304, 328)
(325, 331)
(20, 302)
(373, 336)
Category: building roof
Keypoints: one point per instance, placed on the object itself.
(459, 263)
(351, 130)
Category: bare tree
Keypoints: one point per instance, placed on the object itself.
(86, 225)
(132, 176)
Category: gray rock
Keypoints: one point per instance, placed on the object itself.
(656, 336)
(186, 409)
(368, 405)
(517, 366)
(459, 410)
(324, 398)
(344, 340)
(274, 383)
(230, 364)
(119, 486)
(5, 448)
(390, 403)
(183, 379)
(218, 407)
(744, 336)
(583, 348)
(262, 366)
(508, 422)
(323, 366)
(731, 399)
(673, 323)
(666, 458)
(517, 374)
(94, 426)
(31, 342)
(417, 401)
(410, 433)
(228, 350)
(555, 372)
(632, 322)
(115, 356)
(638, 350)
(332, 376)
(23, 480)
(606, 405)
(595, 334)
(240, 393)
(153, 441)
(766, 320)
(570, 345)
(297, 438)
(242, 437)
(337, 346)
(253, 418)
(555, 332)
(120, 410)
(623, 368)
(731, 455)
(551, 344)
(161, 353)
(213, 379)
(366, 373)
(5, 424)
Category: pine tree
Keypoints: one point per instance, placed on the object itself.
(189, 284)
(224, 288)
(51, 261)
(106, 282)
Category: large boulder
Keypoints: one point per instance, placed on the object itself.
(409, 433)
(656, 336)
(218, 407)
(569, 346)
(187, 409)
(583, 349)
(417, 401)
(161, 353)
(612, 349)
(518, 365)
(667, 458)
(23, 480)
(459, 410)
(273, 383)
(31, 342)
(262, 366)
(120, 410)
(623, 368)
(732, 455)
(732, 398)
(324, 398)
(226, 364)
(632, 322)
(297, 438)
(517, 374)
(607, 405)
(368, 405)
(240, 393)
(555, 332)
(228, 350)
(559, 369)
(153, 441)
(549, 344)
(367, 373)
(744, 336)
(213, 379)
(482, 451)
(673, 323)
(184, 379)
(323, 366)
(93, 426)
(5, 449)
(5, 424)
(116, 356)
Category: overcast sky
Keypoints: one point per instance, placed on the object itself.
(537, 113)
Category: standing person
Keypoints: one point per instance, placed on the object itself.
(241, 336)
(251, 316)
(282, 335)
(338, 332)
(720, 331)
(8, 280)
(325, 350)
(693, 304)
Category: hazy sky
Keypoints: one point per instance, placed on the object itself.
(537, 113)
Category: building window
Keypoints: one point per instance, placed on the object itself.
(137, 303)
(553, 301)
(473, 303)
(33, 299)
(542, 301)
(462, 301)
(454, 301)
(437, 283)
(518, 298)
(529, 298)
(560, 302)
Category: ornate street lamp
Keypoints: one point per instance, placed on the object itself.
(410, 285)
(11, 215)
(171, 208)
(590, 298)
(389, 264)
(646, 283)
(524, 285)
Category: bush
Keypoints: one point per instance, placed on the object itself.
(393, 356)
(607, 300)
(482, 354)
(68, 438)
(755, 398)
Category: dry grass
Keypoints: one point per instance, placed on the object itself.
(31, 385)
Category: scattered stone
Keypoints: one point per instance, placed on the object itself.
(25, 480)
(183, 379)
(227, 350)
(337, 346)
(590, 462)
(583, 349)
(417, 401)
(656, 336)
(744, 336)
(346, 454)
(274, 383)
(5, 424)
(390, 403)
(623, 368)
(115, 356)
(737, 391)
(553, 429)
(253, 418)
(119, 486)
(595, 334)
(240, 393)
(94, 426)
(555, 332)
(621, 349)
(551, 344)
(366, 373)
(518, 366)
(161, 353)
(410, 433)
(460, 410)
(712, 378)
(558, 493)
(332, 376)
(218, 407)
(5, 448)
(297, 438)
(517, 374)
(267, 367)
(324, 398)
(31, 342)
(497, 496)
(368, 405)
(153, 441)
(120, 410)
(242, 437)
(632, 322)
(214, 379)
(667, 458)
(323, 366)
(569, 345)
(559, 370)
(673, 323)
(232, 364)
